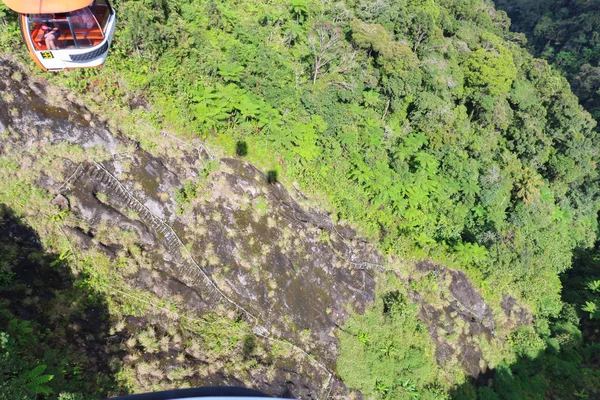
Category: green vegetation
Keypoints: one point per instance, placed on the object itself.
(422, 123)
(567, 34)
(37, 358)
(561, 362)
(387, 352)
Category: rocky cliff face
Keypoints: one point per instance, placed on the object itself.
(234, 244)
(212, 236)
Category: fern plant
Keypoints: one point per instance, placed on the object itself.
(299, 9)
(36, 381)
(230, 72)
(594, 286)
(470, 252)
(17, 377)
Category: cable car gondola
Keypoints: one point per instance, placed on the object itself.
(66, 34)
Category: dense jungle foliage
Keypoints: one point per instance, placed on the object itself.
(567, 34)
(424, 123)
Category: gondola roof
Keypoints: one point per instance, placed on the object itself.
(46, 6)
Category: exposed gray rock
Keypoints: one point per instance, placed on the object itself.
(242, 244)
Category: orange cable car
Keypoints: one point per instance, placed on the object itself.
(66, 34)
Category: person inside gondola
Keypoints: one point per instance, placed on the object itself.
(83, 17)
(51, 34)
